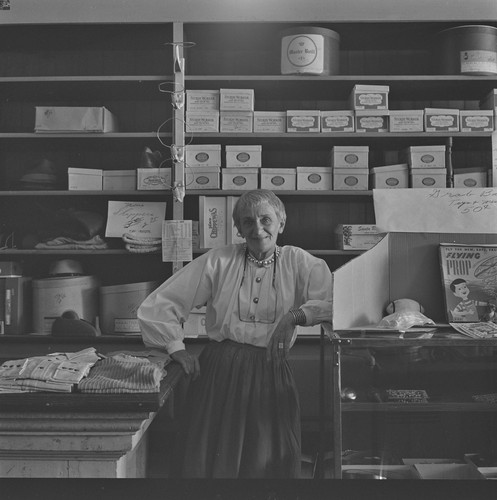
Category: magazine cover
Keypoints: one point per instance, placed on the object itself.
(469, 278)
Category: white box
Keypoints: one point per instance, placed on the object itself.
(194, 326)
(212, 221)
(203, 155)
(406, 120)
(74, 119)
(349, 157)
(303, 120)
(202, 178)
(425, 156)
(119, 180)
(314, 178)
(201, 121)
(153, 178)
(369, 97)
(236, 100)
(279, 178)
(357, 236)
(337, 121)
(236, 121)
(350, 179)
(231, 231)
(240, 178)
(202, 100)
(390, 176)
(243, 156)
(441, 120)
(270, 121)
(428, 177)
(470, 177)
(84, 179)
(371, 120)
(477, 120)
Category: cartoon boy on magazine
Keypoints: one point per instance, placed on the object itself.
(466, 310)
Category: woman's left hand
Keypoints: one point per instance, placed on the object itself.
(280, 342)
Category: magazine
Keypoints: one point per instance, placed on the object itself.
(469, 279)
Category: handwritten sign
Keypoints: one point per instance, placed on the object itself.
(140, 219)
(437, 210)
(177, 241)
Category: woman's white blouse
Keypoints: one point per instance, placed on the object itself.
(215, 280)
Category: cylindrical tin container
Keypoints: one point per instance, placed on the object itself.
(310, 50)
(466, 50)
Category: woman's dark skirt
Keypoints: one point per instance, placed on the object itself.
(243, 418)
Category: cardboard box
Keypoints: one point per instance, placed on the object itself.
(470, 177)
(349, 157)
(153, 178)
(203, 155)
(406, 120)
(236, 100)
(119, 180)
(303, 120)
(369, 97)
(425, 156)
(85, 179)
(441, 120)
(212, 221)
(371, 120)
(74, 119)
(236, 121)
(243, 156)
(202, 100)
(337, 121)
(357, 236)
(314, 178)
(390, 176)
(350, 179)
(477, 120)
(201, 121)
(270, 121)
(202, 178)
(279, 179)
(240, 178)
(428, 177)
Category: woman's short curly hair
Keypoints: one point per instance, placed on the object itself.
(255, 198)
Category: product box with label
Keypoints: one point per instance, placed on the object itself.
(75, 119)
(245, 178)
(85, 179)
(406, 120)
(202, 100)
(236, 100)
(243, 156)
(202, 178)
(441, 120)
(203, 155)
(279, 178)
(477, 120)
(369, 97)
(357, 236)
(350, 179)
(236, 121)
(153, 178)
(349, 157)
(270, 121)
(212, 221)
(425, 156)
(314, 178)
(428, 177)
(390, 176)
(300, 120)
(201, 121)
(119, 180)
(371, 120)
(470, 177)
(337, 121)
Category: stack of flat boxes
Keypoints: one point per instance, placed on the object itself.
(350, 168)
(243, 164)
(427, 166)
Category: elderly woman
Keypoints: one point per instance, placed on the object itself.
(244, 418)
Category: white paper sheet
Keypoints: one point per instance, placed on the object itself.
(177, 241)
(437, 210)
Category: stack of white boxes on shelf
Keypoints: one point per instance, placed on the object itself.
(350, 165)
(427, 166)
(202, 111)
(203, 166)
(370, 104)
(243, 164)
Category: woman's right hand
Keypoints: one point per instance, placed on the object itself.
(188, 362)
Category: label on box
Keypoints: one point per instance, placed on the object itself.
(406, 121)
(153, 178)
(302, 54)
(337, 121)
(212, 221)
(477, 121)
(270, 121)
(303, 121)
(478, 61)
(441, 120)
(371, 122)
(207, 121)
(202, 100)
(236, 100)
(236, 121)
(207, 155)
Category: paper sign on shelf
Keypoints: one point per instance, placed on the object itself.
(140, 219)
(177, 241)
(437, 210)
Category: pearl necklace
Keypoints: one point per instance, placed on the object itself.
(263, 262)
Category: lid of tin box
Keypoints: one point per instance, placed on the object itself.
(347, 112)
(119, 173)
(243, 148)
(300, 112)
(206, 170)
(85, 171)
(241, 170)
(436, 111)
(371, 88)
(310, 30)
(351, 149)
(390, 168)
(351, 171)
(203, 147)
(428, 171)
(278, 171)
(476, 112)
(307, 170)
(423, 149)
(372, 112)
(402, 112)
(462, 171)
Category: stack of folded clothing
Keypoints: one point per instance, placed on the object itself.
(142, 245)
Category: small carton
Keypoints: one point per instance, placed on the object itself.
(240, 178)
(85, 179)
(441, 120)
(279, 179)
(390, 176)
(350, 179)
(212, 221)
(243, 156)
(201, 121)
(337, 121)
(236, 121)
(428, 177)
(369, 97)
(371, 120)
(349, 157)
(477, 120)
(202, 177)
(357, 236)
(236, 100)
(425, 156)
(406, 120)
(270, 121)
(149, 179)
(203, 155)
(303, 120)
(74, 119)
(314, 178)
(202, 100)
(119, 180)
(470, 177)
